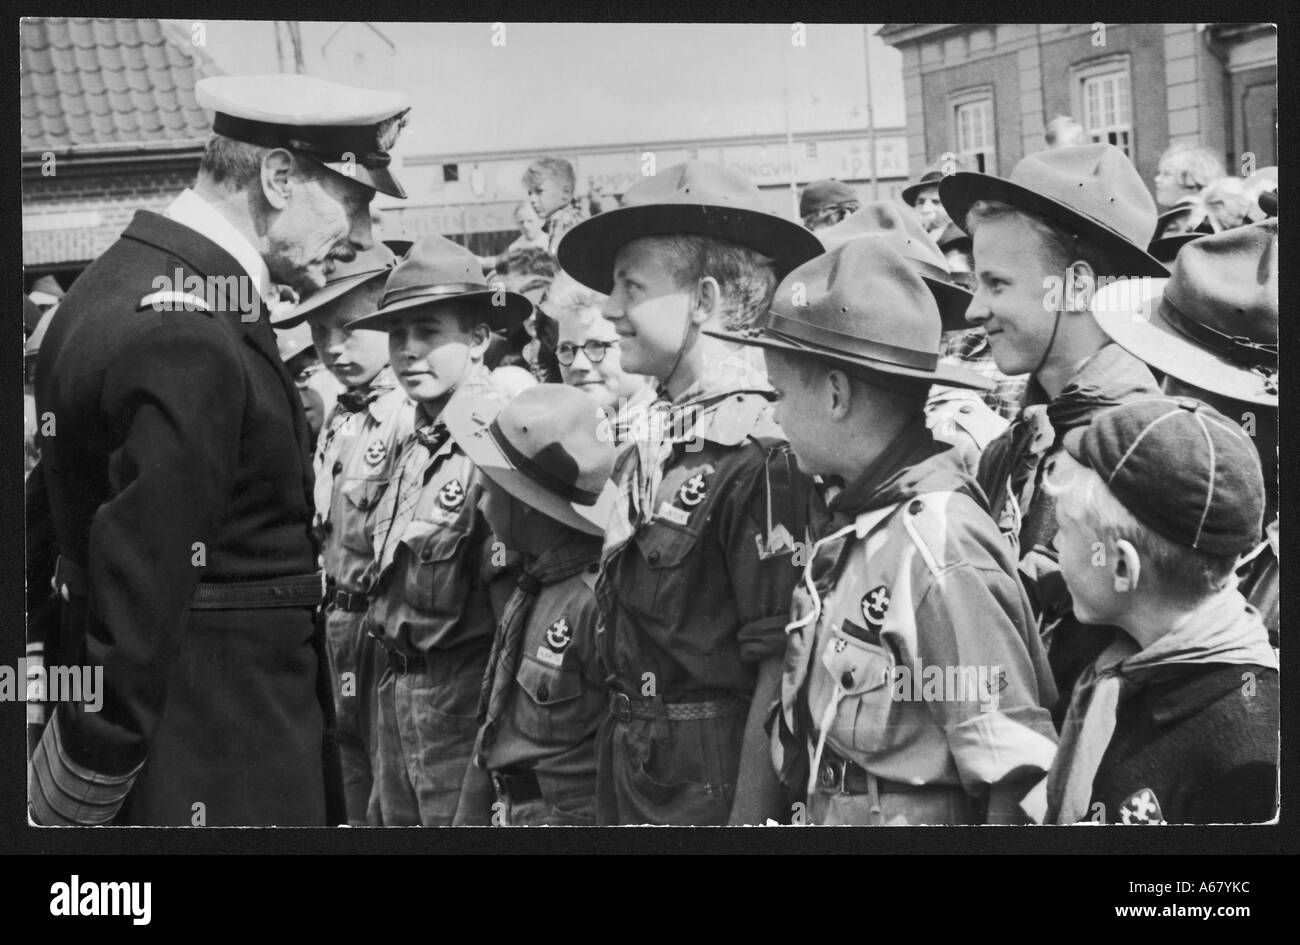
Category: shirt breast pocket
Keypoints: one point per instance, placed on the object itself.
(552, 709)
(433, 574)
(661, 590)
(360, 497)
(865, 673)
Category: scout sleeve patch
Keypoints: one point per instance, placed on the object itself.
(1142, 808)
(558, 637)
(451, 496)
(375, 453)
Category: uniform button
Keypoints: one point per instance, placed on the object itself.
(426, 555)
(338, 467)
(593, 568)
(965, 408)
(846, 679)
(363, 504)
(543, 692)
(915, 506)
(329, 528)
(654, 557)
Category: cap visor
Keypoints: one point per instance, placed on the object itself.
(587, 252)
(299, 313)
(960, 191)
(376, 178)
(505, 317)
(468, 421)
(949, 375)
(1132, 319)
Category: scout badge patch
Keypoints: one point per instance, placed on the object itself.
(558, 637)
(375, 453)
(451, 496)
(874, 604)
(1142, 808)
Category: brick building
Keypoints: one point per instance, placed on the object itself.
(986, 91)
(109, 126)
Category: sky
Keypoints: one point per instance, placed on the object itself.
(479, 88)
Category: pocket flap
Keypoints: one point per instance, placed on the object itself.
(663, 545)
(364, 493)
(547, 685)
(437, 544)
(857, 666)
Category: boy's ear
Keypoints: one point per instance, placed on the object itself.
(1080, 285)
(480, 336)
(708, 300)
(1126, 567)
(839, 393)
(277, 170)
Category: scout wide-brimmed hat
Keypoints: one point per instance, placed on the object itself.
(1093, 191)
(1213, 322)
(905, 233)
(368, 268)
(293, 341)
(693, 198)
(437, 270)
(861, 305)
(933, 173)
(1166, 249)
(545, 448)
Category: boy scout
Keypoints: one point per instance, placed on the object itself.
(439, 581)
(353, 462)
(179, 484)
(957, 415)
(1177, 720)
(1041, 240)
(1211, 329)
(697, 570)
(910, 577)
(548, 496)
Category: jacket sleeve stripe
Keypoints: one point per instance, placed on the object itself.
(63, 791)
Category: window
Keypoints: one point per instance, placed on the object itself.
(810, 150)
(975, 140)
(1103, 102)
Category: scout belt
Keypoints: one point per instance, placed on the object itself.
(297, 590)
(624, 708)
(353, 602)
(516, 785)
(400, 661)
(840, 775)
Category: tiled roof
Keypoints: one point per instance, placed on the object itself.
(104, 82)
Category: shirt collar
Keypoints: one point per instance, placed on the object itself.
(724, 406)
(191, 210)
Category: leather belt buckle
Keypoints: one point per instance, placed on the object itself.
(620, 706)
(831, 775)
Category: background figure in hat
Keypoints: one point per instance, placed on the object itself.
(1181, 178)
(180, 480)
(441, 580)
(590, 359)
(353, 464)
(318, 390)
(549, 183)
(1042, 238)
(1211, 331)
(696, 573)
(923, 196)
(824, 203)
(547, 495)
(1177, 719)
(909, 575)
(529, 272)
(956, 415)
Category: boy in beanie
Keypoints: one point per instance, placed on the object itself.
(547, 495)
(440, 580)
(1177, 719)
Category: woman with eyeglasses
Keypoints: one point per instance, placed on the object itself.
(587, 349)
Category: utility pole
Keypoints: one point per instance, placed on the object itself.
(871, 118)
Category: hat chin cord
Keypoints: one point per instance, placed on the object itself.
(1051, 342)
(681, 350)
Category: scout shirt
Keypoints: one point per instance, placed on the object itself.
(962, 418)
(361, 455)
(549, 723)
(342, 426)
(914, 582)
(695, 582)
(1011, 472)
(433, 592)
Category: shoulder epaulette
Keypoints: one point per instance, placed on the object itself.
(171, 301)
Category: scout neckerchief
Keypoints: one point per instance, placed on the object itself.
(570, 557)
(1220, 630)
(1110, 377)
(663, 426)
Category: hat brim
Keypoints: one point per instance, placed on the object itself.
(505, 317)
(587, 252)
(376, 178)
(953, 301)
(1137, 326)
(912, 191)
(1168, 247)
(334, 290)
(949, 375)
(468, 420)
(961, 190)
